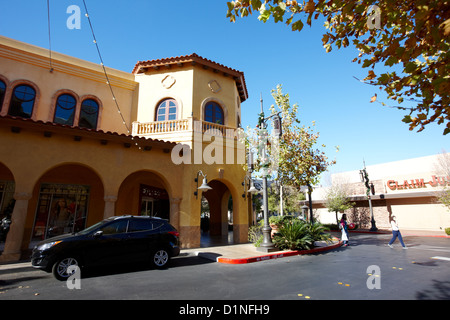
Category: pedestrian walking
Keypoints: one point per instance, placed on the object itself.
(344, 229)
(395, 233)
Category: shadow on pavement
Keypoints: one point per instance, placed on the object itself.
(440, 290)
(182, 260)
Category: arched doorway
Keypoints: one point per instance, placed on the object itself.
(144, 193)
(66, 199)
(7, 187)
(217, 208)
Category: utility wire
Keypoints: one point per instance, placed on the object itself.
(104, 71)
(49, 36)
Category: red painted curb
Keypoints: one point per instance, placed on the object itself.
(277, 255)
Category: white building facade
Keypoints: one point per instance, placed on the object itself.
(407, 189)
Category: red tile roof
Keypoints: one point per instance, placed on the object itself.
(195, 59)
(18, 123)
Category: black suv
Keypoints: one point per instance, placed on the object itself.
(111, 241)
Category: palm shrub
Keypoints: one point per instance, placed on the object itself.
(299, 235)
(318, 232)
(293, 235)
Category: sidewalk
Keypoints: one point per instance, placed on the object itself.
(247, 253)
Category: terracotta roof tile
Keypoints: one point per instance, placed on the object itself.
(238, 76)
(40, 125)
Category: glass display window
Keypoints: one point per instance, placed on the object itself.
(62, 208)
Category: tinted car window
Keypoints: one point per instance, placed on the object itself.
(140, 225)
(118, 226)
(157, 224)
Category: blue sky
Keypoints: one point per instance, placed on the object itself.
(321, 83)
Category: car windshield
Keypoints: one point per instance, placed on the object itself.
(93, 227)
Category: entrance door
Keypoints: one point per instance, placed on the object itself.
(147, 206)
(154, 202)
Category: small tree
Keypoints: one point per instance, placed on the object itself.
(291, 198)
(300, 161)
(337, 200)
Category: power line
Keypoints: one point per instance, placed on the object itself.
(106, 74)
(49, 36)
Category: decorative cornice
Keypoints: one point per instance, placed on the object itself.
(36, 56)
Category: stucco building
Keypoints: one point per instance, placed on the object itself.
(407, 189)
(80, 143)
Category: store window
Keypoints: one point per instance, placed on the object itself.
(65, 109)
(167, 110)
(22, 101)
(214, 113)
(62, 208)
(89, 114)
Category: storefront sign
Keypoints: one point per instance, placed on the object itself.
(153, 192)
(418, 183)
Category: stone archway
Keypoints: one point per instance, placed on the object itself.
(66, 198)
(7, 201)
(144, 193)
(219, 198)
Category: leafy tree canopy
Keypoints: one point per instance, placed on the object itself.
(410, 37)
(301, 162)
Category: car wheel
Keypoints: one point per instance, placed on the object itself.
(160, 258)
(61, 269)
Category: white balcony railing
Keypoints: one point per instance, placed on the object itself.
(148, 128)
(158, 128)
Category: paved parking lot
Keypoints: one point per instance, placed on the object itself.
(366, 270)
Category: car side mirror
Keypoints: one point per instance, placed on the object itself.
(98, 234)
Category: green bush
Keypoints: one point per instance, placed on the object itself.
(279, 220)
(447, 231)
(318, 232)
(299, 235)
(255, 235)
(293, 235)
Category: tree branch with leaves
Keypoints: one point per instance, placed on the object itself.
(411, 40)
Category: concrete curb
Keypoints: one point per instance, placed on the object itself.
(276, 255)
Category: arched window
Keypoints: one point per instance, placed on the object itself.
(22, 101)
(65, 109)
(167, 110)
(214, 113)
(2, 92)
(89, 114)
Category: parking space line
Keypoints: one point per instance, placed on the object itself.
(441, 258)
(430, 248)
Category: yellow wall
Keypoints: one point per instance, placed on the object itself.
(81, 77)
(100, 160)
(152, 91)
(226, 97)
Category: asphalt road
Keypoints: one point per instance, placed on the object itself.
(366, 270)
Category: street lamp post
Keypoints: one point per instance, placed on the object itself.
(267, 245)
(369, 189)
